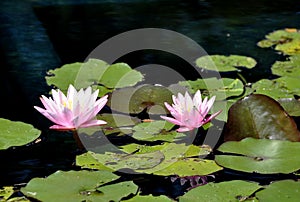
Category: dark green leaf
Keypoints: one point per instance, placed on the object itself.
(260, 116)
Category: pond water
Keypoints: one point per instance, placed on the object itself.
(220, 27)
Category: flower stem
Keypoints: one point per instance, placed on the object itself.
(78, 141)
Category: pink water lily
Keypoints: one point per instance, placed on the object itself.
(190, 113)
(76, 110)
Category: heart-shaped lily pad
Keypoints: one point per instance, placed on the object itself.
(135, 100)
(15, 133)
(235, 190)
(155, 130)
(260, 156)
(6, 192)
(284, 40)
(221, 88)
(285, 190)
(94, 73)
(167, 159)
(69, 186)
(115, 192)
(289, 68)
(283, 87)
(224, 63)
(259, 116)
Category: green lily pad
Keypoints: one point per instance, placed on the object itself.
(15, 133)
(285, 190)
(6, 192)
(96, 73)
(135, 100)
(180, 150)
(167, 159)
(235, 190)
(190, 167)
(149, 198)
(260, 156)
(284, 40)
(118, 123)
(118, 120)
(115, 192)
(224, 63)
(290, 105)
(283, 87)
(259, 116)
(69, 186)
(156, 130)
(118, 161)
(86, 160)
(290, 68)
(221, 88)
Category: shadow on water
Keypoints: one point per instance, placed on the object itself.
(220, 27)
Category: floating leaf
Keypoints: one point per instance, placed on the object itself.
(6, 192)
(190, 167)
(115, 192)
(285, 190)
(180, 150)
(69, 186)
(167, 159)
(259, 116)
(260, 156)
(284, 40)
(149, 198)
(221, 88)
(135, 100)
(94, 72)
(14, 133)
(290, 68)
(236, 190)
(291, 106)
(155, 130)
(277, 88)
(118, 120)
(224, 63)
(117, 161)
(86, 160)
(118, 123)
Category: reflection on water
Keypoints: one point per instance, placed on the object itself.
(220, 27)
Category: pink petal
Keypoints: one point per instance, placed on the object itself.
(175, 121)
(93, 123)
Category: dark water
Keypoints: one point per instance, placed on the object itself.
(220, 27)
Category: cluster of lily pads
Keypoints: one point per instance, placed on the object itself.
(260, 135)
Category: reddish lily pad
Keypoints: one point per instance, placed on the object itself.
(260, 116)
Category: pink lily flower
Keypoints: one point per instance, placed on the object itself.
(76, 110)
(190, 113)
